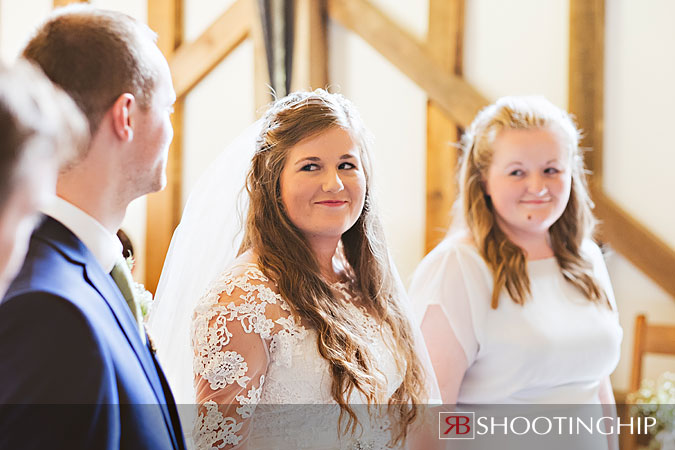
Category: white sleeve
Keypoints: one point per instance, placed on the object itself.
(231, 355)
(454, 277)
(597, 259)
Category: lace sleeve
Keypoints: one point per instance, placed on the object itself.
(232, 328)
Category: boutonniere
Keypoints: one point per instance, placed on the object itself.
(142, 295)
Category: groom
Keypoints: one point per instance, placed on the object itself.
(75, 367)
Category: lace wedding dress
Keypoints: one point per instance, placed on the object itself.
(260, 381)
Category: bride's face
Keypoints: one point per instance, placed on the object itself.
(323, 185)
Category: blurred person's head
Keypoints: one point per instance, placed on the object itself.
(111, 66)
(41, 129)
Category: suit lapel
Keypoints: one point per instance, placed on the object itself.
(106, 287)
(74, 250)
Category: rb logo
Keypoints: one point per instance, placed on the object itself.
(456, 425)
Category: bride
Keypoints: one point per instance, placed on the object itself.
(310, 311)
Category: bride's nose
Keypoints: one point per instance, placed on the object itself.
(332, 182)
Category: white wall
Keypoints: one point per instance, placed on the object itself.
(517, 47)
(18, 20)
(639, 152)
(216, 111)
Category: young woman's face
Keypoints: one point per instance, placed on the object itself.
(529, 180)
(323, 185)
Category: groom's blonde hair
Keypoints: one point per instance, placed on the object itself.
(286, 257)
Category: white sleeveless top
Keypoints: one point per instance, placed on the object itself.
(556, 348)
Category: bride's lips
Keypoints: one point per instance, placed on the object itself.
(333, 203)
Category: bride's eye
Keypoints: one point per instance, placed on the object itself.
(309, 167)
(346, 165)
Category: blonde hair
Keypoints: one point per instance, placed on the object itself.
(507, 260)
(286, 257)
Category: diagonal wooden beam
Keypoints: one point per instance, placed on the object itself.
(192, 61)
(632, 239)
(458, 99)
(444, 43)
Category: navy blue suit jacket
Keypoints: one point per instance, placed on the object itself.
(74, 372)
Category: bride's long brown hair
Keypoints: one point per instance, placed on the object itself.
(285, 256)
(507, 260)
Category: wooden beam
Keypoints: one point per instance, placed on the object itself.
(191, 62)
(632, 239)
(163, 210)
(638, 350)
(58, 3)
(310, 60)
(586, 77)
(444, 43)
(586, 99)
(445, 34)
(457, 98)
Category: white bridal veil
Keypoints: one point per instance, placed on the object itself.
(204, 244)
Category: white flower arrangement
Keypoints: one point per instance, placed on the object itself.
(657, 399)
(142, 295)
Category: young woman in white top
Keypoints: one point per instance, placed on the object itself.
(528, 312)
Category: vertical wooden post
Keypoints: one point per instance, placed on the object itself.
(165, 17)
(310, 61)
(586, 78)
(444, 43)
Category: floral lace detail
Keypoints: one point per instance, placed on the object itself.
(282, 343)
(249, 402)
(244, 337)
(368, 323)
(209, 340)
(225, 368)
(247, 300)
(212, 429)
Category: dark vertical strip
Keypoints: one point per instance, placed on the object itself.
(289, 39)
(264, 8)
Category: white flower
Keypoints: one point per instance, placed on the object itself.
(144, 298)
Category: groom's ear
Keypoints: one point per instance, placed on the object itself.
(122, 121)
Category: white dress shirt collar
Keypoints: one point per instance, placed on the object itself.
(105, 246)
